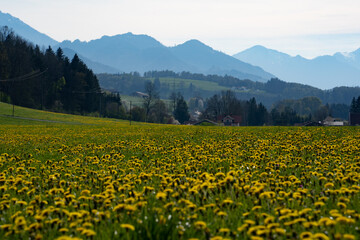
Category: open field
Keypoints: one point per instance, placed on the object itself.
(185, 83)
(138, 101)
(104, 179)
(27, 116)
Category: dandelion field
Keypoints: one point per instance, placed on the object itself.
(114, 181)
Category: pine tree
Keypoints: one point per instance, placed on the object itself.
(353, 105)
(181, 111)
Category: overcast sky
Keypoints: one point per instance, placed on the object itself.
(305, 27)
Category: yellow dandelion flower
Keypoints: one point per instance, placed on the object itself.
(127, 227)
(320, 236)
(6, 227)
(119, 207)
(306, 235)
(63, 230)
(222, 214)
(88, 232)
(200, 224)
(280, 231)
(319, 204)
(243, 227)
(256, 208)
(67, 238)
(341, 205)
(85, 193)
(348, 237)
(20, 221)
(256, 238)
(216, 238)
(161, 196)
(224, 230)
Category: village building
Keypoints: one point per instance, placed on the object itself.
(230, 120)
(330, 121)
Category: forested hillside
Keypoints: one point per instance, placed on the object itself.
(45, 79)
(205, 86)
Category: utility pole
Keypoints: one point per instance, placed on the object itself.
(100, 106)
(130, 113)
(42, 94)
(12, 100)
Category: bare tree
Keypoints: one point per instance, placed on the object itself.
(152, 96)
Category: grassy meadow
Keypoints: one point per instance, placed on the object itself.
(73, 177)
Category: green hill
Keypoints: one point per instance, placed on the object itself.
(28, 116)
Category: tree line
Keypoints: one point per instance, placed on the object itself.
(155, 110)
(268, 93)
(355, 105)
(283, 113)
(63, 85)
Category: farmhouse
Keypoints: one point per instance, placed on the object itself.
(231, 120)
(330, 121)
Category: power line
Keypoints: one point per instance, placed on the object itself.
(20, 77)
(90, 91)
(24, 77)
(27, 76)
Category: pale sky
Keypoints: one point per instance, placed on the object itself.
(306, 27)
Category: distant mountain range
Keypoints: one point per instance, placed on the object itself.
(324, 72)
(141, 53)
(130, 53)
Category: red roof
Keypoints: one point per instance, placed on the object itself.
(235, 118)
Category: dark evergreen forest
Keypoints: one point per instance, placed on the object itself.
(46, 79)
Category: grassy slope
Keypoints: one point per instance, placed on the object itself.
(138, 101)
(33, 116)
(203, 85)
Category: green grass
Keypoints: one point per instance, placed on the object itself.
(138, 101)
(202, 85)
(185, 83)
(30, 116)
(164, 180)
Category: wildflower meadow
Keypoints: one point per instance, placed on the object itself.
(114, 181)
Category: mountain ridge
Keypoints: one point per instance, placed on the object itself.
(26, 31)
(144, 53)
(323, 72)
(130, 52)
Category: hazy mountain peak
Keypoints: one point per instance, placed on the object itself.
(194, 43)
(22, 29)
(140, 41)
(323, 72)
(6, 17)
(259, 47)
(210, 61)
(261, 50)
